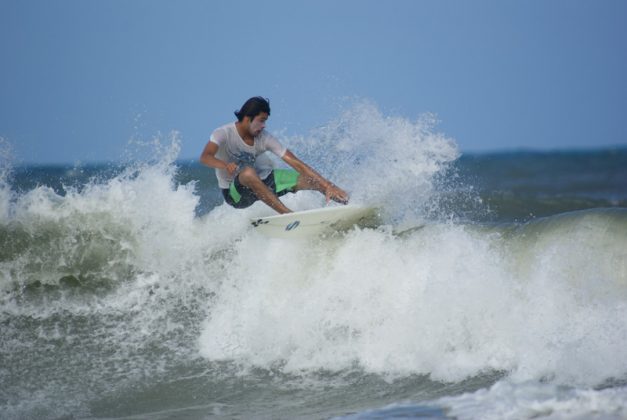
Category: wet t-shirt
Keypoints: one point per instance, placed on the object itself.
(232, 148)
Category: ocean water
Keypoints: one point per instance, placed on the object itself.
(495, 287)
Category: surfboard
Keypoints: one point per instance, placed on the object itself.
(308, 223)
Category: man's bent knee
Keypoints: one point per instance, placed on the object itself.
(247, 176)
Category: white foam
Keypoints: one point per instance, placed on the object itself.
(507, 400)
(446, 301)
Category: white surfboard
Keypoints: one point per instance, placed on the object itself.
(315, 222)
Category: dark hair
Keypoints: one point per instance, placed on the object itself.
(253, 107)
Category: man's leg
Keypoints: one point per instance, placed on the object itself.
(306, 183)
(249, 178)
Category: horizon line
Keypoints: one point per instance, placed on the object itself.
(472, 152)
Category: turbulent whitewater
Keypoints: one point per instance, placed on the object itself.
(495, 287)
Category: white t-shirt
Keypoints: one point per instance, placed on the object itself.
(231, 148)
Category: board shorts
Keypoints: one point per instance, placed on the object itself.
(280, 181)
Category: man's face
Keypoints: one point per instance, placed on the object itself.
(258, 124)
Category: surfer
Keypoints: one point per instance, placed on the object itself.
(245, 174)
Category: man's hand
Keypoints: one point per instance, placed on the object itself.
(336, 194)
(231, 168)
(208, 157)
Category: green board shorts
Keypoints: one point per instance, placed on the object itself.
(281, 181)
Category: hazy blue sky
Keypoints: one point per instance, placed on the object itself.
(78, 79)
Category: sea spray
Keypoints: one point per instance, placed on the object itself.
(385, 161)
(6, 167)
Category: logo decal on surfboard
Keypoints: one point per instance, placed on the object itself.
(292, 225)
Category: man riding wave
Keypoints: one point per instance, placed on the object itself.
(245, 174)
